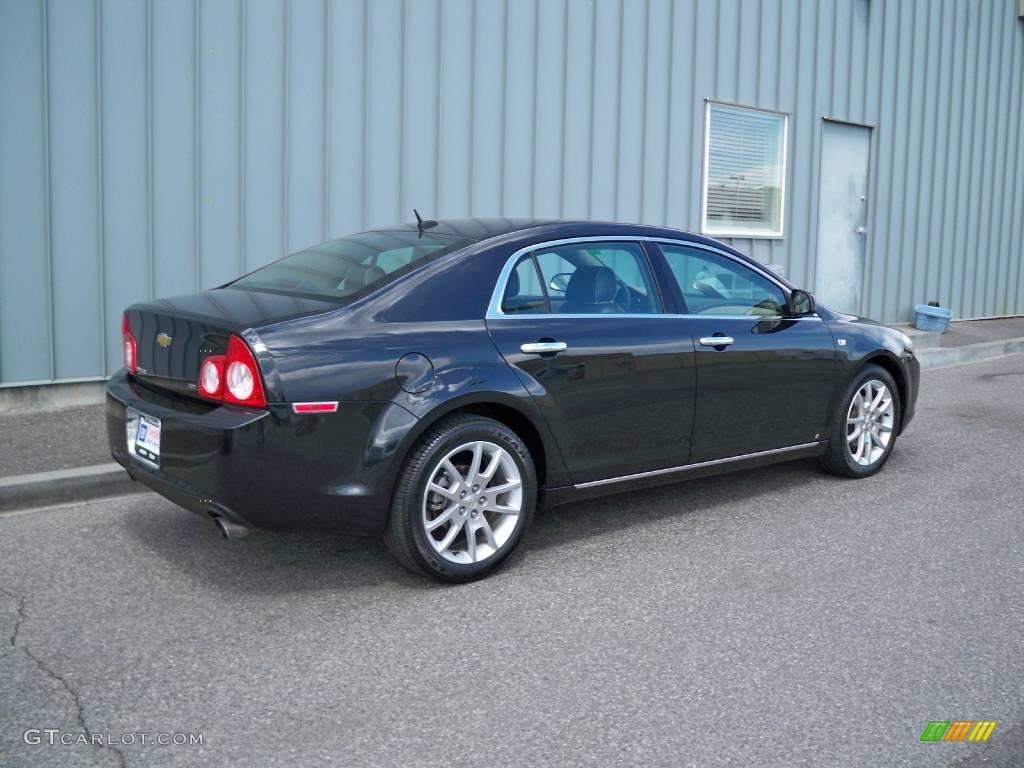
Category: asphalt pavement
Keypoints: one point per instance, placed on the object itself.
(778, 617)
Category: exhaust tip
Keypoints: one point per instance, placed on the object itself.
(228, 529)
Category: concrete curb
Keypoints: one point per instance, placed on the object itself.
(941, 357)
(44, 489)
(36, 398)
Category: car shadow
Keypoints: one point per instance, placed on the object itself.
(593, 517)
(274, 562)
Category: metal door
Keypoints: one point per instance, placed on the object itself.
(842, 215)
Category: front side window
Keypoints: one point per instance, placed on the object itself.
(744, 171)
(583, 279)
(716, 285)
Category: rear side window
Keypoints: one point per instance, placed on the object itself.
(523, 291)
(583, 279)
(716, 285)
(351, 266)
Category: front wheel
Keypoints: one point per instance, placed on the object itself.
(464, 498)
(864, 429)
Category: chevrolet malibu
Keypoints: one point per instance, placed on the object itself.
(434, 382)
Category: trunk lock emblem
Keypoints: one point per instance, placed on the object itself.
(163, 340)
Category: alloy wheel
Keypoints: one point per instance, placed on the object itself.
(870, 422)
(472, 502)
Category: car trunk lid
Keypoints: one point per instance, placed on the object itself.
(173, 336)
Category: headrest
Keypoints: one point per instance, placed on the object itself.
(591, 285)
(358, 277)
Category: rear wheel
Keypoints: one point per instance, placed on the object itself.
(465, 496)
(864, 428)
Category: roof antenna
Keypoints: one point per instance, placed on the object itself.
(423, 224)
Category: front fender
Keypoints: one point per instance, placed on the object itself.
(867, 342)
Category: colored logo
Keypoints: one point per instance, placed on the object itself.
(958, 730)
(163, 340)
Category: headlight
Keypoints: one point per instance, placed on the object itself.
(908, 342)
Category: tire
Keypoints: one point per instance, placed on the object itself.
(851, 453)
(450, 531)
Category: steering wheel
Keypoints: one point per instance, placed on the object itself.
(623, 299)
(767, 304)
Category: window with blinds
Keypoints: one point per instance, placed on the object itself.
(744, 171)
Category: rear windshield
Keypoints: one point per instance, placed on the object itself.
(352, 266)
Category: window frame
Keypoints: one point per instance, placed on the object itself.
(749, 234)
(670, 293)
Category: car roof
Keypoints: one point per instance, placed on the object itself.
(479, 230)
(474, 230)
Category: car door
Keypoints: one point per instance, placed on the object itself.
(583, 325)
(764, 379)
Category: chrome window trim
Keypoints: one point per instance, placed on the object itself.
(699, 465)
(494, 311)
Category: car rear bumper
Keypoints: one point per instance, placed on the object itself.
(266, 468)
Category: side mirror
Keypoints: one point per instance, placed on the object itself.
(802, 303)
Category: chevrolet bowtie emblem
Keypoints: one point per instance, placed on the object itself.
(163, 340)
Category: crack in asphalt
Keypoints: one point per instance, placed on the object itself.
(21, 615)
(54, 675)
(17, 624)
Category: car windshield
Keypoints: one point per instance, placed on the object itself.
(351, 266)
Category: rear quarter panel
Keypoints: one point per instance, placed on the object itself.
(428, 369)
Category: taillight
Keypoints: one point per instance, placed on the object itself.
(211, 377)
(232, 378)
(242, 384)
(131, 348)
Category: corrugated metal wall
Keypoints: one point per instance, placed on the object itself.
(155, 147)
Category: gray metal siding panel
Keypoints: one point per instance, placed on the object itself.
(631, 113)
(299, 120)
(172, 149)
(264, 189)
(74, 207)
(579, 98)
(346, 106)
(25, 338)
(520, 135)
(1015, 230)
(550, 113)
(127, 261)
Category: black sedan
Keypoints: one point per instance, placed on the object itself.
(434, 382)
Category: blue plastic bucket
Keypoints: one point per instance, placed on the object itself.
(934, 319)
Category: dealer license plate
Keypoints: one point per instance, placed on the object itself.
(144, 437)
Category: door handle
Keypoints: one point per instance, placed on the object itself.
(543, 347)
(716, 341)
